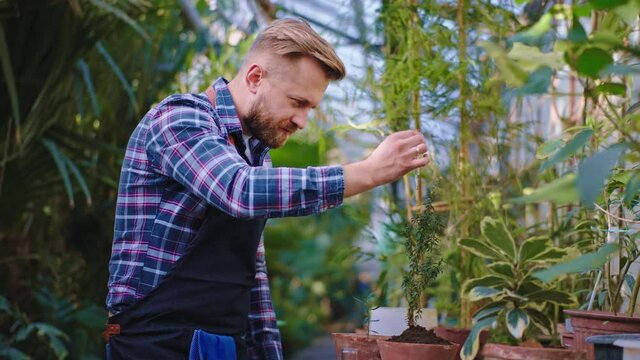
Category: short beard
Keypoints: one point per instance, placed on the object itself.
(262, 126)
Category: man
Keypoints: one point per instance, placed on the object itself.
(197, 187)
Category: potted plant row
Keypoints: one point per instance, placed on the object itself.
(513, 299)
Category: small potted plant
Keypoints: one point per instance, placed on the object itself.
(416, 342)
(512, 298)
(364, 342)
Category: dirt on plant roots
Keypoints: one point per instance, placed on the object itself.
(419, 335)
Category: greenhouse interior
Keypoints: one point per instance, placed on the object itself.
(320, 179)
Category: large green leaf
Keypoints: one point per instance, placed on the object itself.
(472, 344)
(632, 189)
(24, 332)
(491, 309)
(607, 39)
(607, 4)
(548, 148)
(91, 316)
(621, 69)
(510, 71)
(11, 353)
(610, 88)
(555, 296)
(593, 60)
(496, 233)
(531, 247)
(593, 171)
(531, 58)
(517, 322)
(482, 292)
(529, 285)
(54, 335)
(541, 320)
(560, 191)
(480, 248)
(576, 142)
(586, 262)
(502, 268)
(577, 34)
(628, 12)
(552, 254)
(533, 34)
(486, 281)
(538, 81)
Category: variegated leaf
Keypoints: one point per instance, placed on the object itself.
(496, 233)
(502, 268)
(480, 248)
(487, 280)
(554, 296)
(532, 247)
(517, 322)
(540, 320)
(472, 344)
(482, 292)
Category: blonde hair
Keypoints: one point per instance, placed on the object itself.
(293, 38)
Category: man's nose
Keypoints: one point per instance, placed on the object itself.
(300, 119)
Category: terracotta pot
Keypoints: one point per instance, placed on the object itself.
(391, 350)
(365, 344)
(459, 336)
(588, 323)
(506, 352)
(567, 341)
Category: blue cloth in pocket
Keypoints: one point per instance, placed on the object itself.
(205, 346)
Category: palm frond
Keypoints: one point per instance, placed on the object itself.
(116, 70)
(61, 163)
(11, 83)
(86, 76)
(122, 16)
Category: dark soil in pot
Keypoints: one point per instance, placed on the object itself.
(419, 335)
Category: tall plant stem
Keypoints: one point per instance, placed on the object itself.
(465, 313)
(634, 298)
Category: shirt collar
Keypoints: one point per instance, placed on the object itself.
(228, 115)
(225, 107)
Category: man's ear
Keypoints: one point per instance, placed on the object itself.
(255, 76)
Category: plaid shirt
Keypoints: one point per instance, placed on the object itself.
(178, 162)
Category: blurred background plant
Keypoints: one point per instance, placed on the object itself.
(76, 78)
(533, 101)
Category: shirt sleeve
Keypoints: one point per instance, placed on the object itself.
(264, 338)
(184, 143)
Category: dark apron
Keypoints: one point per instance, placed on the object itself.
(209, 288)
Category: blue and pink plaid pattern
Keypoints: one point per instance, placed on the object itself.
(179, 161)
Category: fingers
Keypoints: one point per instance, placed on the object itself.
(405, 134)
(420, 162)
(413, 146)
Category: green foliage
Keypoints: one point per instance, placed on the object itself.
(509, 292)
(422, 248)
(59, 329)
(79, 76)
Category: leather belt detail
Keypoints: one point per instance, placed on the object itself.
(110, 329)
